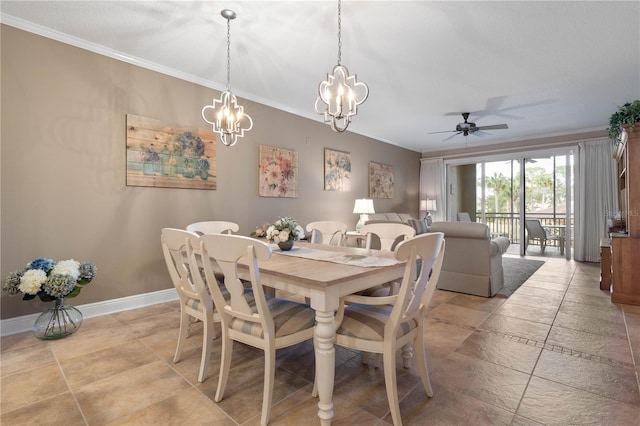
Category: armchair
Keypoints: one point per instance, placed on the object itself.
(473, 261)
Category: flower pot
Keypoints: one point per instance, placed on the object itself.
(286, 245)
(57, 322)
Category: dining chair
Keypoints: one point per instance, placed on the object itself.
(327, 232)
(535, 231)
(267, 324)
(383, 325)
(178, 246)
(389, 234)
(213, 227)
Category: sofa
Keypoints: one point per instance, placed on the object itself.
(419, 225)
(472, 260)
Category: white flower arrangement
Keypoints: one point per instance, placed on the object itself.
(50, 280)
(284, 229)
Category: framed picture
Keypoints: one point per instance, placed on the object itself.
(169, 156)
(380, 180)
(278, 172)
(337, 170)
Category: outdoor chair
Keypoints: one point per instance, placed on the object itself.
(535, 231)
(464, 217)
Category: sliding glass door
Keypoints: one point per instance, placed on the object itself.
(505, 193)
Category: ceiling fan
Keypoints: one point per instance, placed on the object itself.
(467, 128)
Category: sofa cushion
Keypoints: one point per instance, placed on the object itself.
(405, 217)
(462, 230)
(419, 225)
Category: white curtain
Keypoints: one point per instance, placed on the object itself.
(596, 197)
(432, 185)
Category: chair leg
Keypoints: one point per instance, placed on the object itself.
(225, 364)
(207, 340)
(269, 378)
(422, 363)
(407, 355)
(389, 359)
(182, 334)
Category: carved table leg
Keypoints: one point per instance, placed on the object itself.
(325, 364)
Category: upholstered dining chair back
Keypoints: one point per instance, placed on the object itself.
(327, 232)
(213, 227)
(386, 324)
(263, 322)
(178, 246)
(389, 233)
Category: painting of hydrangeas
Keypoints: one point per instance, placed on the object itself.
(169, 156)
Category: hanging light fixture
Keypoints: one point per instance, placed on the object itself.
(229, 121)
(340, 94)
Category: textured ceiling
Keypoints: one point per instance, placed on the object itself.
(546, 68)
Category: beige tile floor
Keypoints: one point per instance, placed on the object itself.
(557, 352)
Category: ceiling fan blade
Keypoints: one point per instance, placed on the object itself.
(493, 127)
(446, 131)
(446, 139)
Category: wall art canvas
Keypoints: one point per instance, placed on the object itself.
(337, 170)
(169, 156)
(380, 180)
(278, 172)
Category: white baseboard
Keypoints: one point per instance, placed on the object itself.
(24, 323)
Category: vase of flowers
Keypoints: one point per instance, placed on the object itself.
(52, 281)
(284, 232)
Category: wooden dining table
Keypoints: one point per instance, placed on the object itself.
(324, 283)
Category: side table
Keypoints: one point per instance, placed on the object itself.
(354, 239)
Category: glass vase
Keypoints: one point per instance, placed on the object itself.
(57, 322)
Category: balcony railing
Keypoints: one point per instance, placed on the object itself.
(508, 224)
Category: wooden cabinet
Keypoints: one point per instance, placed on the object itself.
(625, 247)
(605, 264)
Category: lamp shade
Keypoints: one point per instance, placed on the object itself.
(363, 206)
(430, 205)
(423, 205)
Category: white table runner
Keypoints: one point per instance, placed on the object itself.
(337, 257)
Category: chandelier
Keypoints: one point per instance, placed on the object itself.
(340, 94)
(229, 121)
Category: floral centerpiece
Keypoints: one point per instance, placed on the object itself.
(52, 281)
(284, 232)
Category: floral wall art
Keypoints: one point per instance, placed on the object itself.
(337, 170)
(380, 180)
(168, 156)
(278, 172)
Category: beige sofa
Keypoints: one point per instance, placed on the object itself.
(472, 260)
(417, 224)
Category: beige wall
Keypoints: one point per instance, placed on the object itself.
(63, 168)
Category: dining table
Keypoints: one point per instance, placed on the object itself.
(324, 274)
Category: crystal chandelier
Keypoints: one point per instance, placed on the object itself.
(340, 94)
(229, 121)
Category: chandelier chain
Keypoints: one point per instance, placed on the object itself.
(339, 32)
(228, 54)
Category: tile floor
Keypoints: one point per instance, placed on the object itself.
(557, 352)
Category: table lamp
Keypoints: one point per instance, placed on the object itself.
(428, 206)
(363, 207)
